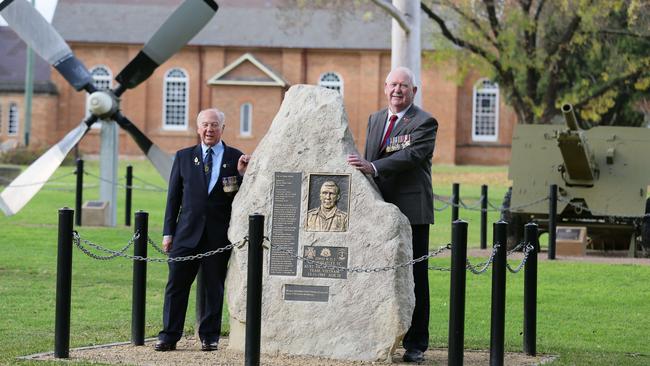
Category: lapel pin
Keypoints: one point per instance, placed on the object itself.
(196, 161)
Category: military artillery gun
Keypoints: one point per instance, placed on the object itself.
(602, 174)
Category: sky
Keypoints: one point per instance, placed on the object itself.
(45, 7)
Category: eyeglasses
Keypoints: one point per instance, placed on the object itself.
(214, 125)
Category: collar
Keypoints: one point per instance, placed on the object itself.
(218, 146)
(400, 114)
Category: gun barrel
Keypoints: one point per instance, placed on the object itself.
(569, 117)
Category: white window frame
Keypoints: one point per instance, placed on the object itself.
(246, 115)
(484, 88)
(14, 120)
(101, 81)
(331, 84)
(185, 104)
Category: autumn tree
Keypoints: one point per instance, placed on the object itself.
(594, 54)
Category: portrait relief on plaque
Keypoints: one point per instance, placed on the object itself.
(329, 202)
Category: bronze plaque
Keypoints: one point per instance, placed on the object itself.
(318, 258)
(306, 293)
(285, 222)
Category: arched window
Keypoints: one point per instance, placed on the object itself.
(102, 80)
(331, 80)
(175, 100)
(485, 111)
(12, 127)
(246, 119)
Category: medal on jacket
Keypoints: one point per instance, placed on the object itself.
(230, 184)
(398, 143)
(196, 161)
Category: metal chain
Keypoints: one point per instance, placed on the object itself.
(485, 265)
(361, 269)
(527, 250)
(77, 240)
(120, 185)
(115, 253)
(473, 206)
(154, 188)
(156, 247)
(41, 182)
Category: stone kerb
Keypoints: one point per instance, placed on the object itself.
(306, 309)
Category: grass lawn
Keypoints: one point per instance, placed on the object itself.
(588, 314)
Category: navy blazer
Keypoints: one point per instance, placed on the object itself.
(190, 209)
(404, 175)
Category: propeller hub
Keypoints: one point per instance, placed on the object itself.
(102, 104)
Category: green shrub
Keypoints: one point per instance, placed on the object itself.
(26, 155)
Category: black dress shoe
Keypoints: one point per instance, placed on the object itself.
(162, 346)
(209, 346)
(413, 355)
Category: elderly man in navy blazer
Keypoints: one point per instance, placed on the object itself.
(399, 147)
(203, 182)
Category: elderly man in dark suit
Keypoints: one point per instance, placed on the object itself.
(399, 147)
(202, 184)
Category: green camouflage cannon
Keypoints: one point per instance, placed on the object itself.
(602, 174)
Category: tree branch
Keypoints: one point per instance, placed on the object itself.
(492, 17)
(395, 13)
(614, 84)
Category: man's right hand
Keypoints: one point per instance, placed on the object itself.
(167, 243)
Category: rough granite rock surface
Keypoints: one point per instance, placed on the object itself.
(367, 314)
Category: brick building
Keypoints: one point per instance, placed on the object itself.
(243, 62)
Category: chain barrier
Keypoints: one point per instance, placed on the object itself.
(76, 239)
(361, 269)
(120, 185)
(147, 186)
(527, 250)
(41, 182)
(121, 253)
(485, 265)
(474, 206)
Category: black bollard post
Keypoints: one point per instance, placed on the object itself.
(484, 215)
(455, 200)
(497, 327)
(552, 220)
(138, 306)
(254, 290)
(456, 335)
(63, 285)
(530, 291)
(127, 202)
(80, 188)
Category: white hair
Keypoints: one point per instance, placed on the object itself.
(405, 70)
(220, 115)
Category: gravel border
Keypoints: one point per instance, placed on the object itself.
(188, 353)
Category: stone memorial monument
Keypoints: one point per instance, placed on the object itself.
(333, 217)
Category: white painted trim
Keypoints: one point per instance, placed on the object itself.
(494, 91)
(16, 117)
(341, 84)
(277, 80)
(250, 119)
(185, 126)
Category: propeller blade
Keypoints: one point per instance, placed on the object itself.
(30, 25)
(160, 159)
(184, 23)
(16, 195)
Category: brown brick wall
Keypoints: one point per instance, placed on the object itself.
(363, 73)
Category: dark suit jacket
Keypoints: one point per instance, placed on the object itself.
(404, 176)
(190, 209)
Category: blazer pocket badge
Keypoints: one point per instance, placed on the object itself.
(398, 143)
(230, 184)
